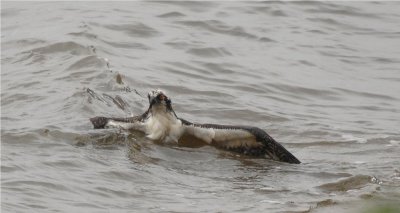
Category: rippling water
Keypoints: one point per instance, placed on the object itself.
(321, 78)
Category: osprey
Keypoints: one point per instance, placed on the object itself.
(160, 123)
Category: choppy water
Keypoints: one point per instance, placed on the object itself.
(321, 78)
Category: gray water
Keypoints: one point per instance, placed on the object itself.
(321, 78)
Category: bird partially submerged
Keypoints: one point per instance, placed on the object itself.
(160, 123)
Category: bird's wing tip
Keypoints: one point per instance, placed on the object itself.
(99, 122)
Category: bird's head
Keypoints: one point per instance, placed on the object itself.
(158, 99)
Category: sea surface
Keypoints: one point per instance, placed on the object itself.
(322, 78)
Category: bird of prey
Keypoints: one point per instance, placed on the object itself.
(161, 123)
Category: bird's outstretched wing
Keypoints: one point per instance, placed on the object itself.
(134, 122)
(245, 139)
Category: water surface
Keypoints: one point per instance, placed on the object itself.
(321, 78)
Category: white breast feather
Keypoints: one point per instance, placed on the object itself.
(165, 127)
